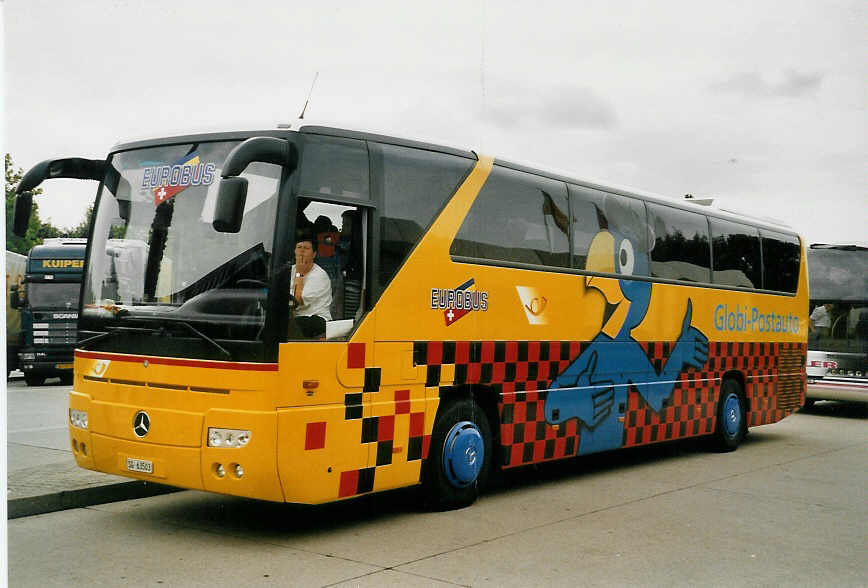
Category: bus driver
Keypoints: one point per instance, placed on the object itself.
(312, 292)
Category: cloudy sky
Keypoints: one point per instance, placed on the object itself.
(761, 104)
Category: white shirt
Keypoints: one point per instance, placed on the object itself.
(820, 317)
(316, 294)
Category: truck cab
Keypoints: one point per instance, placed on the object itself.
(49, 309)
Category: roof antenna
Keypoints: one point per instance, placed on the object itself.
(316, 75)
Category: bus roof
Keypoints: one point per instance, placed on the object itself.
(287, 130)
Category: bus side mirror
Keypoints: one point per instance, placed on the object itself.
(232, 194)
(21, 216)
(14, 301)
(229, 208)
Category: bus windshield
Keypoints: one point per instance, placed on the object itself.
(839, 298)
(155, 258)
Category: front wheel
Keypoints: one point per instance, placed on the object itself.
(460, 457)
(731, 422)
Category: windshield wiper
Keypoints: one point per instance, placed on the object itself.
(205, 337)
(113, 331)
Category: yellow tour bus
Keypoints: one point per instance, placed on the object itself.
(312, 315)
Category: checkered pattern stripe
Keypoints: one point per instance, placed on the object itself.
(521, 371)
(379, 430)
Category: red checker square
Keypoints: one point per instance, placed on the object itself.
(349, 483)
(499, 372)
(519, 415)
(426, 445)
(314, 437)
(539, 450)
(435, 353)
(487, 351)
(402, 402)
(512, 351)
(506, 434)
(521, 371)
(533, 351)
(474, 373)
(356, 355)
(462, 352)
(417, 424)
(515, 454)
(554, 350)
(386, 428)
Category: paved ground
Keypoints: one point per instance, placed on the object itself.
(787, 508)
(42, 475)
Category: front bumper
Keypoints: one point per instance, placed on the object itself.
(176, 446)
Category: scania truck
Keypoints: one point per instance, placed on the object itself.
(48, 301)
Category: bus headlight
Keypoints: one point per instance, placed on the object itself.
(78, 418)
(227, 437)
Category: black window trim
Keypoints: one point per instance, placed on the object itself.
(624, 194)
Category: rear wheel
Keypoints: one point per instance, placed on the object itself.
(460, 457)
(66, 379)
(34, 379)
(731, 422)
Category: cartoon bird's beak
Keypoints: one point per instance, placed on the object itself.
(601, 258)
(601, 253)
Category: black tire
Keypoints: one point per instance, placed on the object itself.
(66, 379)
(809, 403)
(731, 418)
(34, 379)
(446, 486)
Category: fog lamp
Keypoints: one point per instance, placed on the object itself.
(219, 470)
(239, 471)
(233, 438)
(78, 418)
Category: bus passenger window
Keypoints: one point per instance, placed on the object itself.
(736, 254)
(596, 212)
(517, 217)
(681, 248)
(781, 255)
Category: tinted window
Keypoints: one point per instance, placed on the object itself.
(838, 274)
(681, 249)
(334, 166)
(517, 217)
(613, 224)
(416, 185)
(781, 255)
(736, 254)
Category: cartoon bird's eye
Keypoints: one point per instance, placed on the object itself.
(625, 258)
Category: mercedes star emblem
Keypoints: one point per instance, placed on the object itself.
(141, 423)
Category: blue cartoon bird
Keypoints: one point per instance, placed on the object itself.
(593, 389)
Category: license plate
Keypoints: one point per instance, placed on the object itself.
(63, 366)
(140, 465)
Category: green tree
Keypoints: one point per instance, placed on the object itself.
(80, 230)
(36, 230)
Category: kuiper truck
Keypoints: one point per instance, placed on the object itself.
(48, 303)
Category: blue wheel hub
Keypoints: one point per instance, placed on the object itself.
(731, 415)
(463, 454)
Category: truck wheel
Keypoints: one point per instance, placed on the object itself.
(460, 456)
(66, 379)
(731, 422)
(34, 379)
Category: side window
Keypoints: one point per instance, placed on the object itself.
(736, 254)
(334, 166)
(781, 257)
(416, 185)
(517, 217)
(610, 232)
(681, 248)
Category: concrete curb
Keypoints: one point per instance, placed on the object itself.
(67, 499)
